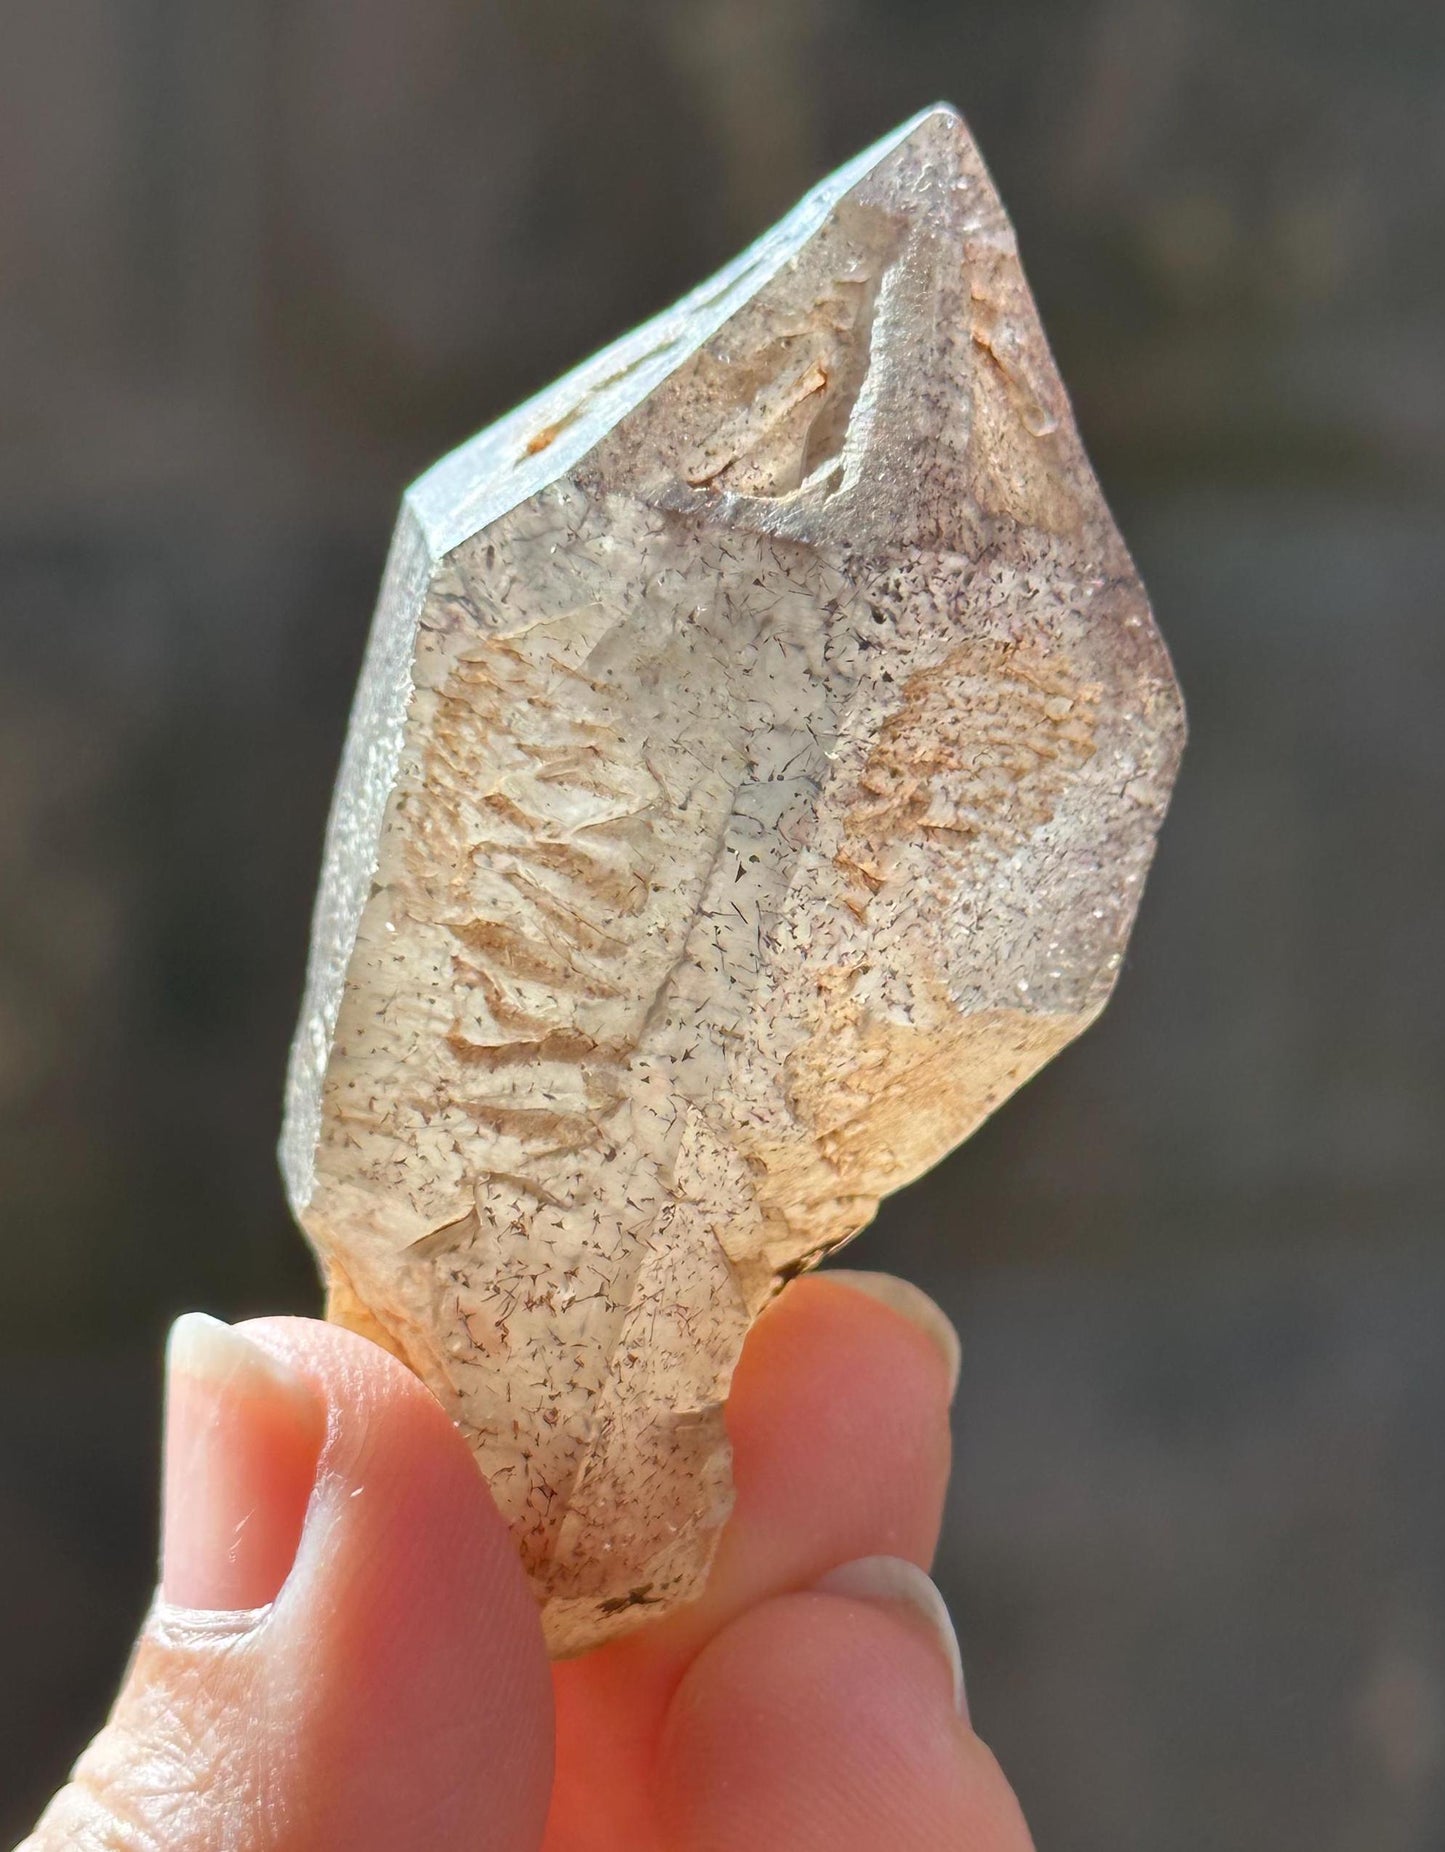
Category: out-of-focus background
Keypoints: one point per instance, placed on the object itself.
(259, 265)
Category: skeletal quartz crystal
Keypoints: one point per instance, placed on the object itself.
(754, 770)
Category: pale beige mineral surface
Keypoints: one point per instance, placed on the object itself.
(752, 778)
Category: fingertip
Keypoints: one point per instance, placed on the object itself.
(410, 1604)
(355, 1375)
(902, 1589)
(824, 1721)
(390, 1443)
(243, 1432)
(394, 1693)
(857, 1335)
(909, 1302)
(840, 1428)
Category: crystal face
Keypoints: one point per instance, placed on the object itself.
(754, 771)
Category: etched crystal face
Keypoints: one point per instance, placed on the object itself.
(752, 779)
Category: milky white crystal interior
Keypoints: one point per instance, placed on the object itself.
(756, 764)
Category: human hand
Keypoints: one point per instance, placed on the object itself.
(344, 1656)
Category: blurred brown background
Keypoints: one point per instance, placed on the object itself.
(262, 262)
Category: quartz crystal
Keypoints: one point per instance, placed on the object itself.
(755, 766)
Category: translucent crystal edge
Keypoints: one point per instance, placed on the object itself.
(374, 740)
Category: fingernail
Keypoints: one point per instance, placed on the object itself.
(901, 1586)
(243, 1434)
(911, 1302)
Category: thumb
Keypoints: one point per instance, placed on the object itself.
(343, 1651)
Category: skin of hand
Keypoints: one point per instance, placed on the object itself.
(343, 1652)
